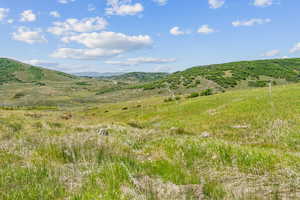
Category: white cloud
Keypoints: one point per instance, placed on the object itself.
(3, 13)
(65, 1)
(216, 3)
(91, 7)
(263, 3)
(54, 14)
(110, 40)
(102, 44)
(84, 54)
(29, 36)
(10, 21)
(205, 29)
(141, 60)
(28, 16)
(161, 2)
(251, 22)
(41, 63)
(271, 53)
(74, 25)
(123, 7)
(296, 48)
(177, 31)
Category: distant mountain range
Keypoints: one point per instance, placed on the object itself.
(97, 74)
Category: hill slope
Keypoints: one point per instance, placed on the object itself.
(139, 76)
(231, 75)
(12, 71)
(242, 144)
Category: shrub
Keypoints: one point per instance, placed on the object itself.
(19, 95)
(177, 98)
(82, 83)
(258, 83)
(207, 92)
(169, 99)
(193, 95)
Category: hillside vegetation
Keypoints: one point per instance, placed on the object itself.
(139, 76)
(12, 71)
(230, 75)
(241, 144)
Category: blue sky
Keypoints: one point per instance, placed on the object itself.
(146, 35)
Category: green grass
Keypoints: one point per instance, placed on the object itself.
(156, 149)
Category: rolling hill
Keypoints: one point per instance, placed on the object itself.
(138, 76)
(23, 84)
(232, 75)
(12, 71)
(242, 144)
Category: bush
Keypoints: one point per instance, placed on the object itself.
(19, 95)
(258, 83)
(169, 99)
(177, 98)
(207, 92)
(193, 95)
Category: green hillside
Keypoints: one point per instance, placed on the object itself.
(12, 71)
(139, 76)
(231, 75)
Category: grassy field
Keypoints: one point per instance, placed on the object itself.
(241, 144)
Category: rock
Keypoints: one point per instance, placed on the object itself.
(67, 116)
(240, 126)
(103, 132)
(205, 134)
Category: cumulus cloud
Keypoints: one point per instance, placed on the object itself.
(84, 54)
(3, 13)
(205, 29)
(102, 44)
(123, 7)
(30, 36)
(54, 14)
(27, 16)
(177, 31)
(263, 3)
(271, 53)
(65, 1)
(41, 63)
(216, 3)
(80, 26)
(141, 60)
(251, 22)
(296, 48)
(110, 40)
(161, 2)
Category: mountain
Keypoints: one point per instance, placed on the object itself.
(97, 74)
(12, 71)
(232, 75)
(139, 76)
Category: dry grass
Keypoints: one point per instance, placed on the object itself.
(156, 150)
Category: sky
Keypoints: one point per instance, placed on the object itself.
(146, 35)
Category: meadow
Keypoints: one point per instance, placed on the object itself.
(242, 144)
